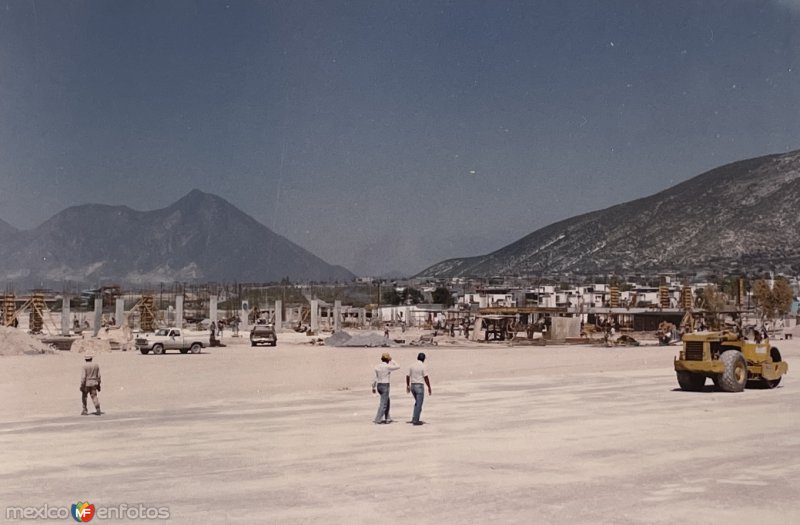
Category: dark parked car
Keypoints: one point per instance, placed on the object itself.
(263, 334)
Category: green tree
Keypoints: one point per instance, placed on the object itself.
(412, 296)
(442, 295)
(773, 302)
(391, 296)
(408, 295)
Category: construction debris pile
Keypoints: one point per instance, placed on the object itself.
(373, 339)
(97, 346)
(18, 342)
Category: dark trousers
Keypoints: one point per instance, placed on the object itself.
(90, 391)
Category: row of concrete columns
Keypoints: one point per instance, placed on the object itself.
(119, 314)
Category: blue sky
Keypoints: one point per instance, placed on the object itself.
(382, 135)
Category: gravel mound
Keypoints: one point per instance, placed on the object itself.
(342, 339)
(14, 341)
(98, 346)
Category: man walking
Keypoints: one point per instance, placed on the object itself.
(416, 380)
(90, 383)
(380, 385)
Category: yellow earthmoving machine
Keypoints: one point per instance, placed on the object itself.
(730, 360)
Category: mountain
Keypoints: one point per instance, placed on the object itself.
(200, 237)
(6, 230)
(739, 217)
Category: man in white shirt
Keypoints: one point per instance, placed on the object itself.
(381, 385)
(416, 380)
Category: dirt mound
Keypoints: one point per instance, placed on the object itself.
(370, 340)
(14, 341)
(98, 346)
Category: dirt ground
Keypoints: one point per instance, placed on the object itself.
(555, 434)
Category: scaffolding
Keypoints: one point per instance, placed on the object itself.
(146, 314)
(37, 313)
(9, 309)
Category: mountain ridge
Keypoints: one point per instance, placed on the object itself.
(739, 216)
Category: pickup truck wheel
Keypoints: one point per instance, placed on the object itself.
(734, 378)
(253, 344)
(184, 350)
(144, 351)
(195, 348)
(691, 382)
(158, 349)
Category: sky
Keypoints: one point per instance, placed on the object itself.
(387, 136)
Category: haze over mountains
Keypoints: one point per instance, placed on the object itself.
(744, 216)
(201, 237)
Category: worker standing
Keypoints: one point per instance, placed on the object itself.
(90, 383)
(416, 380)
(380, 385)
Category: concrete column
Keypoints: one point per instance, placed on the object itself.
(119, 311)
(278, 314)
(179, 311)
(65, 321)
(98, 315)
(212, 309)
(314, 315)
(244, 315)
(337, 315)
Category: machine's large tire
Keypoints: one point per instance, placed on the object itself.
(184, 350)
(195, 348)
(691, 382)
(158, 349)
(144, 351)
(734, 378)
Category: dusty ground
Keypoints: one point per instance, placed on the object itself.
(551, 434)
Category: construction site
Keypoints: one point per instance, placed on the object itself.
(599, 314)
(574, 405)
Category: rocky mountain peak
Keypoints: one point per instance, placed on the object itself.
(199, 237)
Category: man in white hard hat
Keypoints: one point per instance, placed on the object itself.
(90, 383)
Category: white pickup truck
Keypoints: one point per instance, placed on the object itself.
(169, 339)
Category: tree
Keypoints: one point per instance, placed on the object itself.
(713, 301)
(442, 295)
(408, 295)
(774, 302)
(412, 296)
(392, 297)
